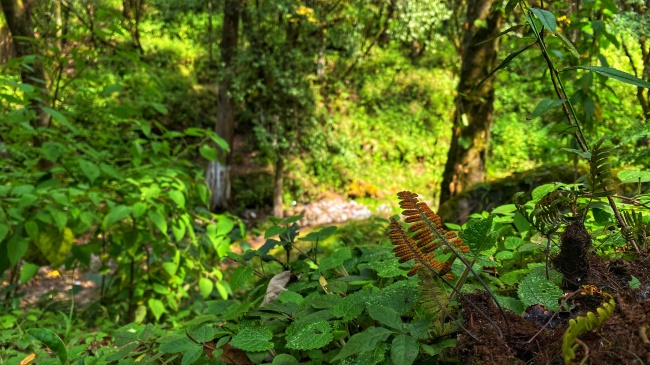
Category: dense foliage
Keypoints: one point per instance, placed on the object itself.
(102, 174)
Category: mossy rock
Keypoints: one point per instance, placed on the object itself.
(487, 196)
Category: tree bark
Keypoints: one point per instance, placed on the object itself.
(20, 25)
(218, 172)
(277, 187)
(465, 164)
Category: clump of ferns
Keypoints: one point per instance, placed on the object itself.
(420, 239)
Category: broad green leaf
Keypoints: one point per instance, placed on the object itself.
(319, 235)
(27, 272)
(157, 308)
(89, 169)
(543, 190)
(159, 221)
(615, 74)
(178, 198)
(629, 176)
(223, 291)
(240, 276)
(123, 352)
(208, 152)
(536, 289)
(178, 229)
(175, 343)
(546, 17)
(205, 287)
(285, 359)
(288, 296)
(386, 316)
(27, 200)
(139, 208)
(160, 108)
(55, 245)
(274, 231)
(16, 249)
(192, 354)
(60, 218)
(511, 243)
(310, 336)
(352, 305)
(112, 88)
(31, 228)
(56, 115)
(336, 259)
(404, 350)
(116, 214)
(253, 339)
(436, 348)
(60, 198)
(4, 229)
(479, 235)
(51, 340)
(170, 268)
(364, 341)
(224, 225)
(546, 105)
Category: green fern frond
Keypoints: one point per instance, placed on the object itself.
(600, 171)
(584, 324)
(636, 229)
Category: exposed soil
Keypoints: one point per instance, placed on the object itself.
(622, 339)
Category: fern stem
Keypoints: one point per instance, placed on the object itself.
(570, 113)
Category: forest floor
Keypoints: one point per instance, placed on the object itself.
(537, 336)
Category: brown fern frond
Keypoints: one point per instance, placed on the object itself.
(427, 235)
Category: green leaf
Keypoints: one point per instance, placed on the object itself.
(546, 17)
(16, 249)
(240, 276)
(634, 283)
(615, 74)
(630, 176)
(336, 259)
(205, 287)
(536, 289)
(175, 343)
(4, 229)
(157, 308)
(352, 305)
(543, 190)
(160, 108)
(60, 218)
(224, 225)
(567, 43)
(284, 359)
(479, 235)
(51, 340)
(112, 88)
(27, 272)
(56, 115)
(274, 231)
(192, 354)
(386, 316)
(404, 350)
(89, 169)
(116, 214)
(253, 339)
(319, 235)
(223, 291)
(310, 336)
(208, 152)
(159, 221)
(178, 229)
(31, 228)
(178, 198)
(436, 348)
(546, 105)
(364, 341)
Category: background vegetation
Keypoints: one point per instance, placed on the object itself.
(137, 137)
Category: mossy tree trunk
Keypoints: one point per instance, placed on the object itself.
(17, 14)
(473, 116)
(218, 172)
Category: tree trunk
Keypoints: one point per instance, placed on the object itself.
(472, 119)
(218, 172)
(22, 33)
(277, 187)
